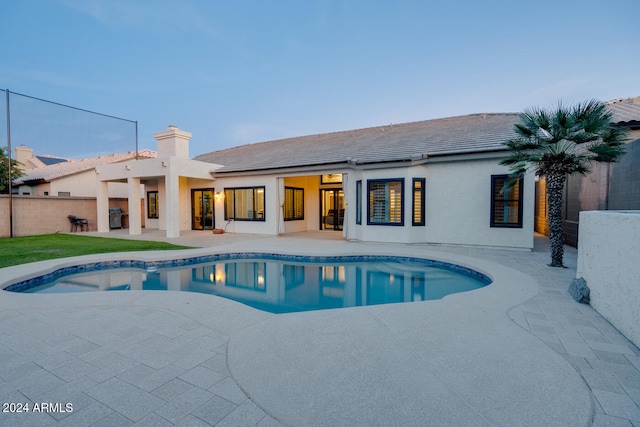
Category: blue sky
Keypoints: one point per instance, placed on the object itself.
(235, 72)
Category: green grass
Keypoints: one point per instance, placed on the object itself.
(21, 250)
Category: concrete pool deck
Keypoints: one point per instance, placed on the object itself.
(518, 352)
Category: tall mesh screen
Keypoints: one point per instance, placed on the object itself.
(53, 129)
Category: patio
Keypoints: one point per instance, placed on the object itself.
(519, 352)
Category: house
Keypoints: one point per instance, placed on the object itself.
(55, 176)
(434, 181)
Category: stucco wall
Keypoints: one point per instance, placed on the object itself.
(270, 223)
(608, 261)
(608, 186)
(458, 205)
(34, 215)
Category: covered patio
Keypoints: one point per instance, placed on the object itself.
(172, 174)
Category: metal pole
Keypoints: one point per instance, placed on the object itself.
(136, 140)
(9, 167)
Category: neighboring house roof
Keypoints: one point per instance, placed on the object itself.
(625, 111)
(396, 142)
(70, 167)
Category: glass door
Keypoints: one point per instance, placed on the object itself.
(332, 209)
(202, 209)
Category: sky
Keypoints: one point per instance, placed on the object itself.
(237, 72)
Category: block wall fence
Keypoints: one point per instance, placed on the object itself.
(33, 215)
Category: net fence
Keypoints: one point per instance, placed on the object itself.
(54, 130)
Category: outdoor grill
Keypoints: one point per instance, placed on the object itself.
(115, 218)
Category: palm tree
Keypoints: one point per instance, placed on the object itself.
(558, 142)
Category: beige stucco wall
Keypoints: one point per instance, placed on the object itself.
(82, 184)
(311, 220)
(34, 215)
(608, 261)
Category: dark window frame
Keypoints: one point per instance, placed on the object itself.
(257, 215)
(297, 198)
(499, 203)
(421, 206)
(371, 208)
(152, 214)
(359, 202)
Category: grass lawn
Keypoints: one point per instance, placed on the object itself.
(21, 250)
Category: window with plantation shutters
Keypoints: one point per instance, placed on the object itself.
(418, 201)
(385, 206)
(506, 202)
(293, 203)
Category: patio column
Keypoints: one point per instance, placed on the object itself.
(171, 204)
(280, 205)
(345, 216)
(135, 212)
(102, 206)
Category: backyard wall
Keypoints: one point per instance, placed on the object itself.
(614, 186)
(33, 215)
(608, 261)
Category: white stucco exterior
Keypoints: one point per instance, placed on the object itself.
(608, 261)
(457, 189)
(458, 204)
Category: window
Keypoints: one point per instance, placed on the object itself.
(293, 203)
(418, 201)
(246, 274)
(244, 204)
(64, 194)
(385, 205)
(506, 202)
(152, 204)
(332, 178)
(358, 202)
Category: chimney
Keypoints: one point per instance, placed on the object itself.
(173, 142)
(23, 154)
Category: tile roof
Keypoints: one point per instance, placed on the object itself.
(625, 110)
(396, 142)
(70, 167)
(454, 135)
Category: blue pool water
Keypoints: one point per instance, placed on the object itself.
(274, 283)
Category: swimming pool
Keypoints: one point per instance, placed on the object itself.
(273, 283)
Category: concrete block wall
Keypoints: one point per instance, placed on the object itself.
(614, 186)
(33, 215)
(608, 261)
(624, 184)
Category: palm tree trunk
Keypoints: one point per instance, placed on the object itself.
(555, 185)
